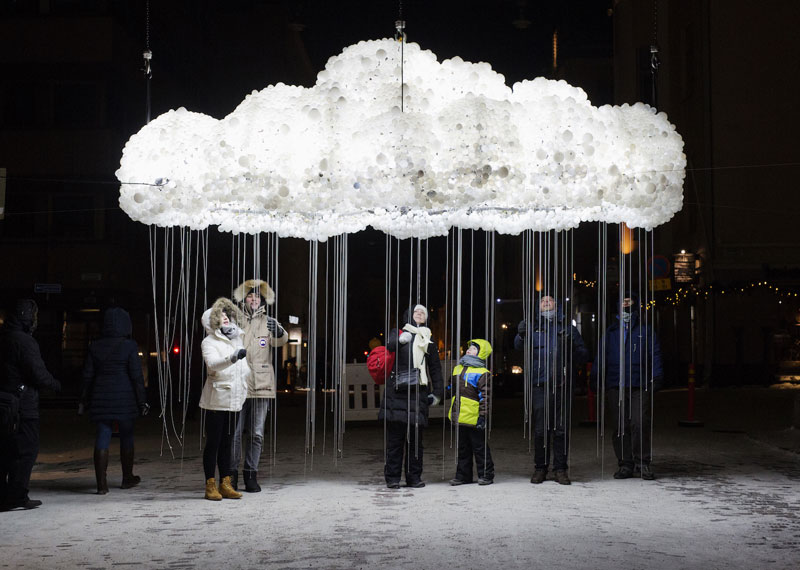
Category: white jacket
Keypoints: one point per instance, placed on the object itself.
(226, 382)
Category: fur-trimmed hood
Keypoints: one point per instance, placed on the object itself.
(212, 318)
(266, 292)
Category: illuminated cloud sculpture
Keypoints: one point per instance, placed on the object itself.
(465, 150)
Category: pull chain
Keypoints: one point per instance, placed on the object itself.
(148, 56)
(400, 36)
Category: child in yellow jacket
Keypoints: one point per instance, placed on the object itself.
(470, 389)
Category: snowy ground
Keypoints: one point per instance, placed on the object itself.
(727, 496)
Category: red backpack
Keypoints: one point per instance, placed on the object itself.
(380, 363)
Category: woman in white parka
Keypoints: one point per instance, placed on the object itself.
(224, 392)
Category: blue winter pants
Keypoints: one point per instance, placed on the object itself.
(106, 427)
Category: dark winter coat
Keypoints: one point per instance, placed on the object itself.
(410, 405)
(113, 385)
(557, 348)
(21, 361)
(642, 354)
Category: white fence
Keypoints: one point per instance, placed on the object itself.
(364, 396)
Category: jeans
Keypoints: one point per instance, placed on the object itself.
(472, 441)
(217, 452)
(250, 429)
(18, 453)
(105, 427)
(403, 445)
(633, 422)
(551, 410)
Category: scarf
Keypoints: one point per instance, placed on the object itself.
(422, 338)
(471, 360)
(231, 331)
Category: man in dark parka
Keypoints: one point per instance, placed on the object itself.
(22, 372)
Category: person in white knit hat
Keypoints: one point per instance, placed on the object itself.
(415, 384)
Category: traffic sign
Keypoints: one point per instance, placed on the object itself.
(658, 267)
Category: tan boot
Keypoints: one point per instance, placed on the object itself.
(227, 491)
(211, 490)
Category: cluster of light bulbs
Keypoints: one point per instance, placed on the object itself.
(460, 148)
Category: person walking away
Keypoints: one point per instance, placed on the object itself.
(113, 391)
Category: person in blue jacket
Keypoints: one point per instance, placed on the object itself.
(628, 366)
(556, 351)
(113, 391)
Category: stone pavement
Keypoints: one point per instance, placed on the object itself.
(727, 496)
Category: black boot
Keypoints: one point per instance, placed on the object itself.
(234, 479)
(251, 482)
(100, 470)
(624, 472)
(539, 475)
(128, 478)
(647, 473)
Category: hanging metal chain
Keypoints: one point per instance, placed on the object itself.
(400, 36)
(148, 56)
(655, 22)
(655, 62)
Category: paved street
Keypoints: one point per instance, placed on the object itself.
(727, 496)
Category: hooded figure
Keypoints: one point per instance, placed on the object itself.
(22, 373)
(471, 391)
(472, 385)
(556, 350)
(224, 392)
(261, 334)
(113, 390)
(415, 383)
(630, 363)
(226, 383)
(113, 383)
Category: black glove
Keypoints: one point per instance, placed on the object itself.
(144, 409)
(522, 328)
(81, 408)
(238, 355)
(274, 328)
(481, 423)
(433, 399)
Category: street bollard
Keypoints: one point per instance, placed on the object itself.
(690, 421)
